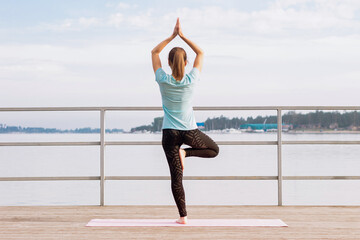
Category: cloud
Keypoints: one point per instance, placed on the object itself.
(88, 22)
(142, 20)
(323, 13)
(115, 19)
(304, 18)
(283, 17)
(276, 53)
(78, 24)
(123, 5)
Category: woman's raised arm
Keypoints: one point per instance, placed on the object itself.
(199, 53)
(156, 51)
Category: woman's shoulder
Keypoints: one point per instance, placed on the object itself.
(160, 75)
(194, 74)
(160, 70)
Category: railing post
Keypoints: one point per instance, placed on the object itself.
(279, 165)
(102, 156)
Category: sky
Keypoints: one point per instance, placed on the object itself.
(97, 53)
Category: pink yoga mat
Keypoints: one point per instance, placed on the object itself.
(191, 223)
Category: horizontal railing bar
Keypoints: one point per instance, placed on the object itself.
(277, 107)
(50, 109)
(151, 108)
(319, 107)
(321, 178)
(218, 142)
(107, 143)
(159, 143)
(320, 142)
(235, 108)
(49, 143)
(192, 178)
(185, 178)
(20, 109)
(126, 143)
(49, 178)
(246, 142)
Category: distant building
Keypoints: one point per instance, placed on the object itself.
(201, 125)
(265, 127)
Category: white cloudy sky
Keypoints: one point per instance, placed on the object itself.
(97, 53)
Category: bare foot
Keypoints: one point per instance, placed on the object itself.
(182, 154)
(182, 220)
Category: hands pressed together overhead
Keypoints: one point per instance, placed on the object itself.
(177, 29)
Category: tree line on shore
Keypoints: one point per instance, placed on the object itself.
(299, 121)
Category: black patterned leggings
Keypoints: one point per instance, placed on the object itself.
(201, 146)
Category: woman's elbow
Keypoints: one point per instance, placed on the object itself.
(200, 54)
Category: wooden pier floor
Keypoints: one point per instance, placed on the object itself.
(68, 222)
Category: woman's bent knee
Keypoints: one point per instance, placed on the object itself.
(215, 151)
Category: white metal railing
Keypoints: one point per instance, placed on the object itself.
(102, 143)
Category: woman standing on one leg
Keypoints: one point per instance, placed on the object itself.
(179, 125)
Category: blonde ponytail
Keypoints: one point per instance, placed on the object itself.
(177, 60)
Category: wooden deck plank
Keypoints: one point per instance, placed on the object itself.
(68, 222)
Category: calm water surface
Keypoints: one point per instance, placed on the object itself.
(298, 160)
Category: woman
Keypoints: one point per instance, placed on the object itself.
(179, 125)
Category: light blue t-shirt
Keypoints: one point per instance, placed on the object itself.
(177, 99)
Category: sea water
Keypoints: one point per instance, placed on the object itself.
(243, 160)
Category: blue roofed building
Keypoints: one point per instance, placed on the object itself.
(265, 127)
(200, 125)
